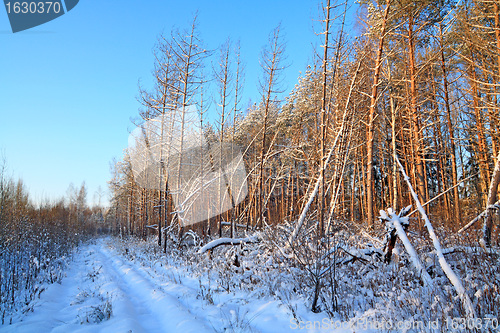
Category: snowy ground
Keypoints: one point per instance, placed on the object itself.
(130, 285)
(107, 290)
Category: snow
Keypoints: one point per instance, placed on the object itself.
(226, 240)
(98, 281)
(107, 291)
(128, 284)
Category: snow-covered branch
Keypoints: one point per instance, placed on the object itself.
(483, 214)
(227, 241)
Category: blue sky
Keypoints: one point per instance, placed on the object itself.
(68, 88)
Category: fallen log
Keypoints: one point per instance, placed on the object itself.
(243, 226)
(227, 241)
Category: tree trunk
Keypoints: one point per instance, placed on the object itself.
(481, 140)
(323, 123)
(492, 198)
(451, 131)
(271, 65)
(371, 119)
(419, 169)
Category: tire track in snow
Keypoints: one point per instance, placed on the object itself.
(158, 310)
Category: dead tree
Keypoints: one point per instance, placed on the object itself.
(272, 65)
(392, 235)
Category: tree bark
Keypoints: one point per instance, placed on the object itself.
(492, 198)
(323, 122)
(451, 131)
(481, 140)
(271, 66)
(418, 151)
(371, 119)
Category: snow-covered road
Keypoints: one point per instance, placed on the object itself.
(99, 285)
(106, 291)
(152, 309)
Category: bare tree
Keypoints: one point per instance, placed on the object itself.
(188, 56)
(272, 65)
(224, 80)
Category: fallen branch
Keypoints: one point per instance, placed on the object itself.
(236, 224)
(227, 241)
(354, 257)
(483, 214)
(468, 250)
(443, 193)
(365, 255)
